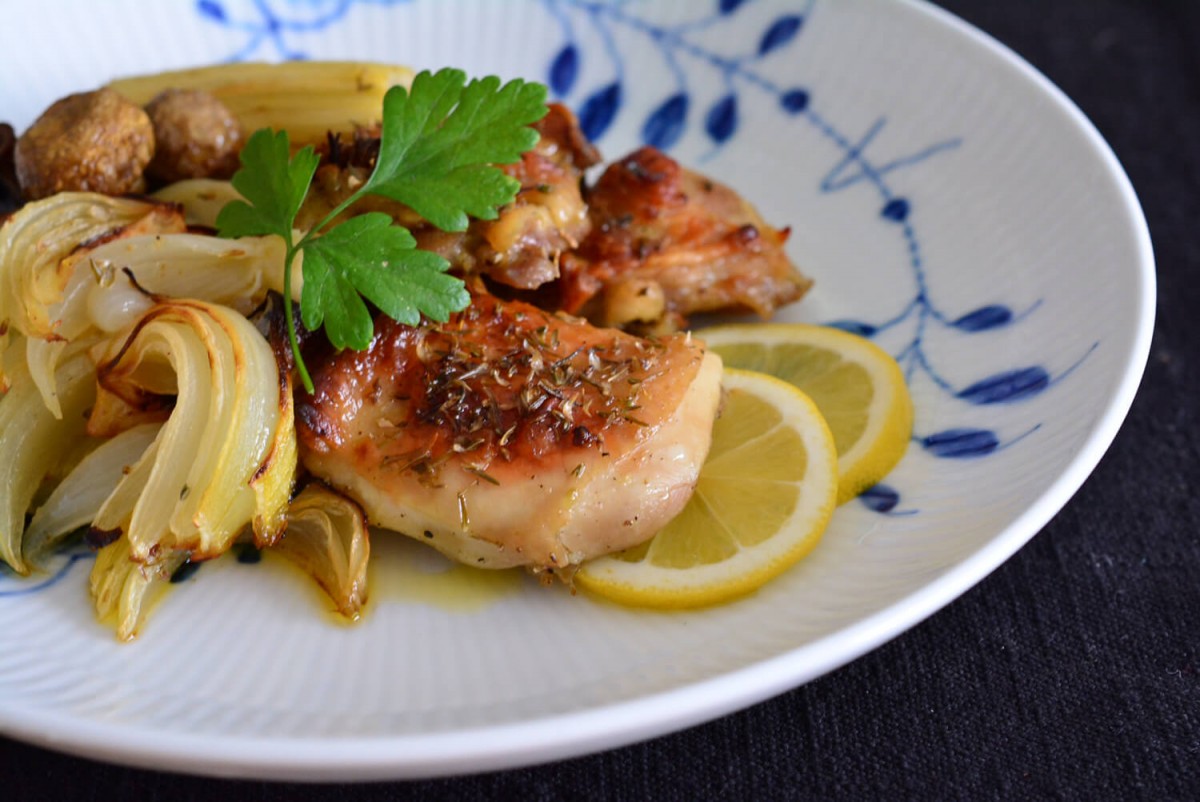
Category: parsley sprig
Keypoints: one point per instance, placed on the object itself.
(439, 147)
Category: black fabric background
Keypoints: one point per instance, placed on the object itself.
(1073, 672)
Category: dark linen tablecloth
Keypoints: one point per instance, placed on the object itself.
(1073, 672)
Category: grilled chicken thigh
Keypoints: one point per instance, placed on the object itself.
(513, 436)
(665, 243)
(645, 247)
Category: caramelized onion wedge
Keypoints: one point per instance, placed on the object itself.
(327, 538)
(128, 275)
(276, 475)
(35, 241)
(121, 588)
(306, 98)
(35, 244)
(226, 455)
(32, 441)
(77, 499)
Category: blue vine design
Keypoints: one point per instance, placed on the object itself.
(13, 585)
(264, 23)
(667, 122)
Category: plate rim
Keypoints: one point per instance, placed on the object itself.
(594, 729)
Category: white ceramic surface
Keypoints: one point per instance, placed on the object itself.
(945, 197)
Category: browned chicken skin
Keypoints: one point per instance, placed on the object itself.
(512, 436)
(667, 243)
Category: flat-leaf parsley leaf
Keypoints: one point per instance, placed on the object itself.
(439, 147)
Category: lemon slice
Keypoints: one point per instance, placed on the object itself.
(858, 387)
(763, 500)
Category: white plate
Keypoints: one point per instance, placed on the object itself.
(940, 191)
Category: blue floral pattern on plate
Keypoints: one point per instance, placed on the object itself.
(270, 26)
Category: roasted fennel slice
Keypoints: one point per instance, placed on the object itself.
(308, 99)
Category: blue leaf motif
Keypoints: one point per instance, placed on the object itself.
(26, 589)
(1010, 385)
(984, 318)
(211, 9)
(880, 498)
(722, 118)
(564, 70)
(896, 209)
(959, 443)
(599, 110)
(782, 31)
(794, 101)
(854, 327)
(729, 6)
(666, 123)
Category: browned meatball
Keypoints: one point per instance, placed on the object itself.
(197, 137)
(92, 141)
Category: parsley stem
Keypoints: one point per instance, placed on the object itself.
(290, 318)
(329, 218)
(292, 250)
